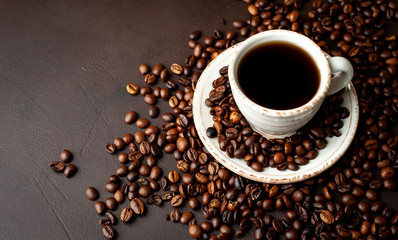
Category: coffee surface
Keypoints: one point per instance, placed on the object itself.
(278, 75)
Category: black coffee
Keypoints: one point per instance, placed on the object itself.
(278, 75)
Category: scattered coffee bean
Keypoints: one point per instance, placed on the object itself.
(176, 68)
(100, 207)
(119, 143)
(195, 231)
(153, 111)
(150, 99)
(111, 186)
(110, 147)
(177, 201)
(130, 117)
(108, 232)
(175, 215)
(211, 132)
(91, 193)
(132, 89)
(150, 79)
(142, 123)
(157, 69)
(173, 176)
(57, 166)
(126, 215)
(156, 173)
(144, 69)
(66, 156)
(137, 205)
(111, 203)
(123, 158)
(186, 217)
(145, 90)
(111, 217)
(70, 170)
(145, 191)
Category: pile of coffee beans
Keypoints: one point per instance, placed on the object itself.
(239, 140)
(342, 203)
(68, 170)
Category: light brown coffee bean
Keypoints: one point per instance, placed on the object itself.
(132, 89)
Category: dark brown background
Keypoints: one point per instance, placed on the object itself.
(63, 70)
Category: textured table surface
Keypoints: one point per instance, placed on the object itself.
(63, 70)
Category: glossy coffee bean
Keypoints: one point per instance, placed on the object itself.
(91, 193)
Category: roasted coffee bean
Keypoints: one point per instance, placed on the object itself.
(170, 84)
(164, 75)
(153, 111)
(126, 215)
(155, 151)
(155, 173)
(186, 217)
(165, 183)
(150, 99)
(100, 207)
(108, 232)
(139, 137)
(157, 69)
(110, 147)
(150, 79)
(142, 123)
(145, 191)
(111, 217)
(211, 132)
(144, 68)
(173, 176)
(176, 201)
(132, 88)
(195, 231)
(119, 143)
(130, 117)
(70, 170)
(66, 156)
(143, 181)
(156, 92)
(104, 222)
(193, 203)
(145, 148)
(256, 166)
(154, 185)
(119, 196)
(137, 205)
(195, 35)
(91, 193)
(175, 215)
(122, 170)
(157, 200)
(145, 90)
(327, 217)
(114, 179)
(123, 158)
(111, 203)
(176, 68)
(182, 166)
(168, 195)
(111, 186)
(57, 166)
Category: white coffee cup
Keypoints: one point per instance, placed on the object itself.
(335, 74)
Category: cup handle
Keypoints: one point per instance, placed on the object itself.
(342, 73)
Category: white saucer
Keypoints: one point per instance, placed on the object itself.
(334, 150)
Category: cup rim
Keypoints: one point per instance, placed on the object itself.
(325, 72)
